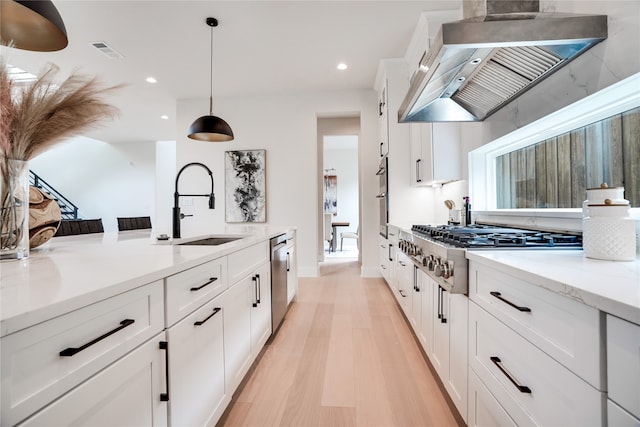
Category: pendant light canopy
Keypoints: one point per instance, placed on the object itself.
(32, 25)
(211, 128)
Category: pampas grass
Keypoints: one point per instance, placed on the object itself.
(36, 116)
(33, 118)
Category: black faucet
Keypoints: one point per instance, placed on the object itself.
(177, 216)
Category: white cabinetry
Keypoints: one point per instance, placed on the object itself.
(384, 255)
(383, 119)
(623, 372)
(196, 356)
(435, 153)
(242, 320)
(440, 321)
(126, 393)
(536, 352)
(261, 308)
(45, 361)
(404, 282)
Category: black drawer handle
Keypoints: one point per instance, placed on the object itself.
(70, 351)
(517, 307)
(523, 388)
(201, 322)
(211, 280)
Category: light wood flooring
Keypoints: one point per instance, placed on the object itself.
(344, 356)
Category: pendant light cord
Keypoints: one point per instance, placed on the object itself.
(211, 77)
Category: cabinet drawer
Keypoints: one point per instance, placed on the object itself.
(623, 363)
(247, 260)
(188, 290)
(563, 328)
(618, 417)
(533, 388)
(126, 393)
(484, 409)
(33, 370)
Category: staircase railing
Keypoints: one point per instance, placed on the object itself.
(67, 208)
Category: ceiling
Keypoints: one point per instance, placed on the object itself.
(259, 47)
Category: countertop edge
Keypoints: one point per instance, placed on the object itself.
(19, 321)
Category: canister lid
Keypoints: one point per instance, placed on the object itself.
(605, 186)
(609, 202)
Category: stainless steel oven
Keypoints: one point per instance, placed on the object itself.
(383, 195)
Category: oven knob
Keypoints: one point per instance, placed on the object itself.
(447, 271)
(439, 269)
(431, 263)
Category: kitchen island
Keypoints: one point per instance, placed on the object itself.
(128, 330)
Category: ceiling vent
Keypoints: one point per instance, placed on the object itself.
(106, 50)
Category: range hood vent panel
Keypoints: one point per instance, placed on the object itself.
(483, 63)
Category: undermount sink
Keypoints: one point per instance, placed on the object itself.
(211, 241)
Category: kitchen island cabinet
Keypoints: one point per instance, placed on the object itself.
(159, 362)
(553, 339)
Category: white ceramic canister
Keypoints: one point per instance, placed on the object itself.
(597, 196)
(609, 232)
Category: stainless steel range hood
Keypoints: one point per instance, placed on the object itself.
(478, 65)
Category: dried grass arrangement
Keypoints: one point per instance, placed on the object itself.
(33, 118)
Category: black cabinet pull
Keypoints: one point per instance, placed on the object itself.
(201, 322)
(211, 280)
(70, 351)
(418, 179)
(499, 296)
(522, 388)
(441, 316)
(256, 281)
(164, 345)
(401, 292)
(288, 261)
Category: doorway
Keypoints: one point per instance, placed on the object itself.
(341, 195)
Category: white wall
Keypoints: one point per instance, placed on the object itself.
(341, 154)
(286, 126)
(104, 180)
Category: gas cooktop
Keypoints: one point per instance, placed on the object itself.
(494, 237)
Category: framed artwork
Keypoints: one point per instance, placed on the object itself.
(245, 186)
(331, 194)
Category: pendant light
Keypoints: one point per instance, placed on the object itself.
(211, 128)
(32, 25)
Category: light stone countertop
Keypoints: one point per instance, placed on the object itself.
(71, 272)
(609, 286)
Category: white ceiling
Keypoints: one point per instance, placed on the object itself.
(259, 47)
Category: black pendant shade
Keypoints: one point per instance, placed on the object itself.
(211, 128)
(32, 25)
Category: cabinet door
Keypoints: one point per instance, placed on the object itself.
(126, 393)
(196, 367)
(383, 254)
(236, 303)
(425, 334)
(260, 308)
(383, 120)
(404, 277)
(440, 351)
(623, 363)
(435, 153)
(456, 382)
(484, 409)
(416, 300)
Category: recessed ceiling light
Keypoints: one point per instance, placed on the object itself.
(342, 66)
(164, 117)
(151, 80)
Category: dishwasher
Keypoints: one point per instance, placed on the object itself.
(278, 281)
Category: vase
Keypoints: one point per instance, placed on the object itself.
(14, 209)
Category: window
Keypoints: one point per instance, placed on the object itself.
(538, 174)
(556, 172)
